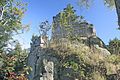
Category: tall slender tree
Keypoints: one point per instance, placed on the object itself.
(44, 28)
(11, 14)
(68, 16)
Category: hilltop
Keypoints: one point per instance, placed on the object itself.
(74, 52)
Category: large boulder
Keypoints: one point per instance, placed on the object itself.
(102, 51)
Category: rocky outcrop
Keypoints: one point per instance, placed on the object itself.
(41, 62)
(47, 64)
(78, 56)
(42, 65)
(102, 51)
(63, 58)
(83, 30)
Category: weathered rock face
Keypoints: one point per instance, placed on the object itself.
(41, 62)
(42, 65)
(102, 51)
(46, 66)
(83, 30)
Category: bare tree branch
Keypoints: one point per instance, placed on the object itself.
(2, 12)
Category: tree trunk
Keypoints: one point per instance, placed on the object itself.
(117, 5)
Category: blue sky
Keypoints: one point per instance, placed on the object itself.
(103, 18)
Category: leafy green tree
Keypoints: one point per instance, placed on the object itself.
(11, 13)
(21, 57)
(14, 62)
(67, 19)
(68, 16)
(114, 46)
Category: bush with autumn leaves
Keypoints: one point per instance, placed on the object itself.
(13, 64)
